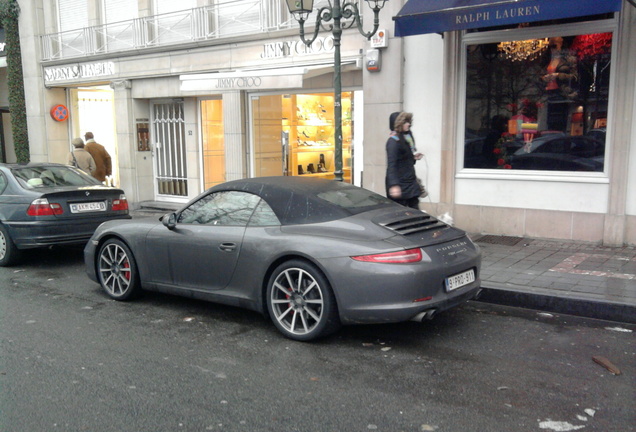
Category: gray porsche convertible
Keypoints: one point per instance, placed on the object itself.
(311, 254)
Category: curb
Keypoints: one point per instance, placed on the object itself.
(533, 298)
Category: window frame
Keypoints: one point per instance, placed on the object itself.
(495, 36)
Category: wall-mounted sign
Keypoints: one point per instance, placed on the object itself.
(59, 113)
(296, 48)
(247, 80)
(143, 134)
(380, 39)
(78, 71)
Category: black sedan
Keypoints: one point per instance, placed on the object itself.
(43, 204)
(560, 153)
(310, 253)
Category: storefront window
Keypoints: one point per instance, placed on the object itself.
(294, 135)
(538, 104)
(213, 142)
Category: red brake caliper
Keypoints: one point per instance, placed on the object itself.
(127, 266)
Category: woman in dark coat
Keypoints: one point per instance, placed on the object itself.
(401, 182)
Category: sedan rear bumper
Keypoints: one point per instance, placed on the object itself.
(35, 234)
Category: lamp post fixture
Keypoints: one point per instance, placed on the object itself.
(336, 12)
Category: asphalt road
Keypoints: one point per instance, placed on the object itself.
(73, 360)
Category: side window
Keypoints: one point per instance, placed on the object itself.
(228, 208)
(3, 183)
(264, 216)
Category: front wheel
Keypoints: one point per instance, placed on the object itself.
(9, 253)
(117, 270)
(300, 301)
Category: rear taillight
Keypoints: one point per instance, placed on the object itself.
(120, 204)
(400, 257)
(42, 207)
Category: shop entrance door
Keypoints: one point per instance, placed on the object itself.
(92, 111)
(171, 174)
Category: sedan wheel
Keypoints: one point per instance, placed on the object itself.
(9, 253)
(301, 302)
(117, 270)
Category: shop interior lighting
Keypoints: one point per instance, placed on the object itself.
(523, 50)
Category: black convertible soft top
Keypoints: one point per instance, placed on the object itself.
(304, 200)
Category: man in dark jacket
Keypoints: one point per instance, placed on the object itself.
(401, 182)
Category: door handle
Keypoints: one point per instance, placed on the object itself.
(227, 247)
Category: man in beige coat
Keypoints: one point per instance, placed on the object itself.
(80, 158)
(101, 156)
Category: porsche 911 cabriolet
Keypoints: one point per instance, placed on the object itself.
(311, 254)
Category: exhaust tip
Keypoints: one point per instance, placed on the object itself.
(427, 315)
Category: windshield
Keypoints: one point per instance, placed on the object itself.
(48, 176)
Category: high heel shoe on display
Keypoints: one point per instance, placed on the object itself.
(300, 170)
(311, 169)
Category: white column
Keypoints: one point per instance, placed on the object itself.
(234, 120)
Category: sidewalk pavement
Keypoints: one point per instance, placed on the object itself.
(564, 277)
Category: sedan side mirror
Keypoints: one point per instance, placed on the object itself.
(169, 220)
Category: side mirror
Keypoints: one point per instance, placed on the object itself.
(169, 220)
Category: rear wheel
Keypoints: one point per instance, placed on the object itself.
(117, 270)
(9, 253)
(300, 301)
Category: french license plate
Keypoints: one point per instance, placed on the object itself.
(88, 207)
(460, 280)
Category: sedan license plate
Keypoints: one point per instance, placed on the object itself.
(460, 280)
(97, 206)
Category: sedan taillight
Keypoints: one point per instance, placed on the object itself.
(42, 207)
(120, 204)
(400, 257)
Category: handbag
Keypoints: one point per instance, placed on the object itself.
(423, 191)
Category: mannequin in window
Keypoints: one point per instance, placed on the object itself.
(562, 76)
(560, 84)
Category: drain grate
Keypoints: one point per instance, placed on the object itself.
(499, 240)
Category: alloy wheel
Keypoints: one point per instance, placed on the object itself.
(297, 301)
(115, 270)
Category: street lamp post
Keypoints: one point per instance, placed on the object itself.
(336, 12)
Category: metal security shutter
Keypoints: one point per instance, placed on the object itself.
(239, 16)
(72, 14)
(168, 136)
(173, 23)
(120, 10)
(119, 32)
(72, 20)
(166, 6)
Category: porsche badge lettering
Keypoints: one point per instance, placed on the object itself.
(453, 249)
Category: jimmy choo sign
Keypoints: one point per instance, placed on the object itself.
(244, 80)
(296, 48)
(78, 71)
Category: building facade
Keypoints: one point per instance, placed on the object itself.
(188, 94)
(527, 124)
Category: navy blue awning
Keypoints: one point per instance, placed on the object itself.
(436, 16)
